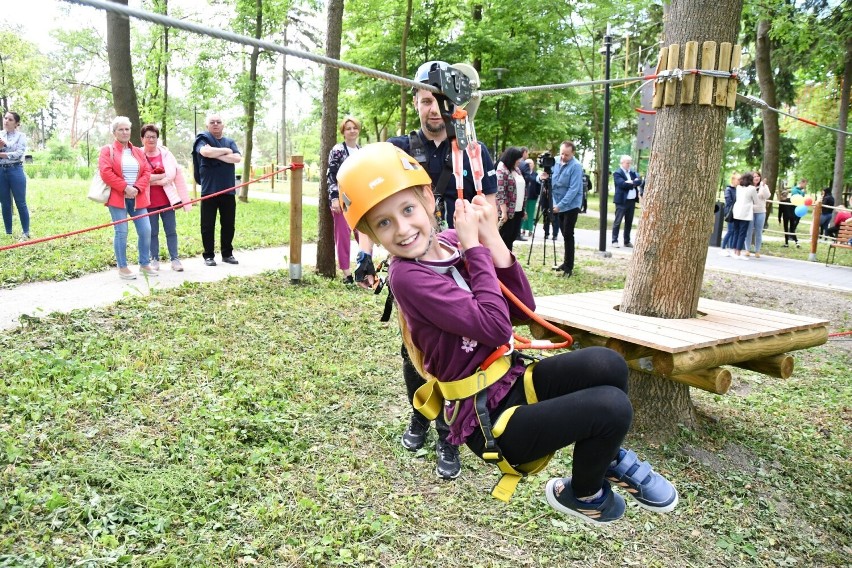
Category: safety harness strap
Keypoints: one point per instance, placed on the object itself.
(429, 398)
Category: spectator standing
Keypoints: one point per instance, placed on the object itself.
(217, 156)
(743, 213)
(168, 188)
(730, 198)
(350, 128)
(567, 188)
(13, 180)
(627, 184)
(533, 191)
(511, 189)
(124, 168)
(755, 228)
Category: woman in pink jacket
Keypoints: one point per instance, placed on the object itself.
(125, 170)
(168, 188)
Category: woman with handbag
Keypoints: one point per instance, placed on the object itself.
(511, 195)
(167, 188)
(13, 181)
(124, 168)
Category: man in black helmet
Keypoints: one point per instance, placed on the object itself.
(431, 147)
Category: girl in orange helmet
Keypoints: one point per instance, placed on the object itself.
(454, 316)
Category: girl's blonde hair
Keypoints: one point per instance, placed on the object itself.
(414, 354)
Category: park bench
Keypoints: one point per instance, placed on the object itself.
(690, 351)
(843, 235)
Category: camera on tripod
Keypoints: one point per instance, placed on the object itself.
(546, 161)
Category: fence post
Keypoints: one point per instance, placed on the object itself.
(815, 231)
(296, 220)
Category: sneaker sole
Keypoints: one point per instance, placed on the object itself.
(551, 499)
(447, 478)
(653, 508)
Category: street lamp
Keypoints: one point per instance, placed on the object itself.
(499, 71)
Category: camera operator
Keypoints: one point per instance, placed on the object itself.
(567, 193)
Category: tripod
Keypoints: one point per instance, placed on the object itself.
(544, 212)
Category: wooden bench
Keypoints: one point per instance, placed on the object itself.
(844, 233)
(689, 351)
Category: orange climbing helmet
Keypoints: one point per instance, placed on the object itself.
(374, 173)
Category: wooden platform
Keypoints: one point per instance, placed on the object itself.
(682, 349)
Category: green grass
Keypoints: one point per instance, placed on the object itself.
(163, 432)
(60, 206)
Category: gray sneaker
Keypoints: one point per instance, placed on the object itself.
(449, 464)
(415, 435)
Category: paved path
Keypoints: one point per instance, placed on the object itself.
(104, 288)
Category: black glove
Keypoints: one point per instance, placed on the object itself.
(364, 266)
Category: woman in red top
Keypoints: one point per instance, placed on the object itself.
(125, 170)
(167, 188)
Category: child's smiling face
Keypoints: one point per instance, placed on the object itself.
(403, 225)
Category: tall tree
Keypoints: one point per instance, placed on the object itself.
(121, 69)
(665, 274)
(250, 98)
(842, 123)
(771, 132)
(331, 85)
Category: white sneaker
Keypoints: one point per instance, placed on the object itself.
(725, 252)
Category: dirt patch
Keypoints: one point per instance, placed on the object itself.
(731, 456)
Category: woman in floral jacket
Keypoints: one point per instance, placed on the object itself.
(511, 195)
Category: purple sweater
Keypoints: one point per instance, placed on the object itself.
(457, 329)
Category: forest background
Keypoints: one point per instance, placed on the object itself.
(272, 104)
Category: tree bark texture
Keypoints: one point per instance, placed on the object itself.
(667, 266)
(842, 122)
(251, 103)
(331, 84)
(771, 132)
(121, 70)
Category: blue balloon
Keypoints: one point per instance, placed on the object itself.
(801, 210)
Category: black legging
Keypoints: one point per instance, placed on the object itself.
(582, 401)
(414, 381)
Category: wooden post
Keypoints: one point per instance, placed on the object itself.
(690, 61)
(667, 364)
(659, 88)
(715, 380)
(724, 65)
(812, 256)
(671, 84)
(708, 62)
(780, 366)
(296, 221)
(272, 165)
(732, 84)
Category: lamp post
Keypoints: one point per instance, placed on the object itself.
(603, 182)
(499, 71)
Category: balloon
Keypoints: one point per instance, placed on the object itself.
(801, 210)
(809, 201)
(797, 200)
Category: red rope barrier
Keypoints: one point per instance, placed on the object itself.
(157, 212)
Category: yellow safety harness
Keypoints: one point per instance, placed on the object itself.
(430, 398)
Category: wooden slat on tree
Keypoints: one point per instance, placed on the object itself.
(724, 65)
(671, 84)
(708, 62)
(732, 84)
(690, 61)
(659, 88)
(780, 366)
(668, 364)
(629, 350)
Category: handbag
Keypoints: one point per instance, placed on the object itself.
(98, 189)
(729, 214)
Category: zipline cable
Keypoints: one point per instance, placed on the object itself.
(676, 74)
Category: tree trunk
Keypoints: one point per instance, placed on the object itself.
(251, 102)
(404, 94)
(667, 266)
(284, 102)
(121, 70)
(330, 88)
(164, 121)
(771, 133)
(842, 121)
